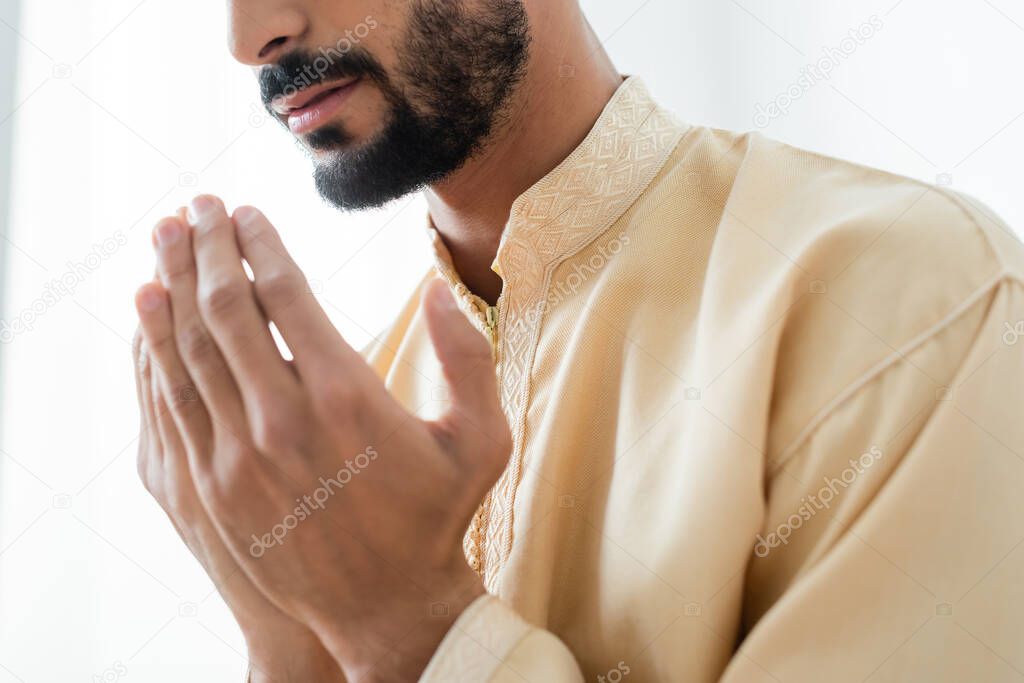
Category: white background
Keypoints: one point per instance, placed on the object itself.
(126, 108)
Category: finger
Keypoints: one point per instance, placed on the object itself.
(195, 346)
(143, 378)
(149, 441)
(466, 361)
(164, 417)
(179, 498)
(283, 293)
(162, 436)
(176, 468)
(141, 363)
(228, 306)
(181, 398)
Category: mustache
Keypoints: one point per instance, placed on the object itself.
(302, 69)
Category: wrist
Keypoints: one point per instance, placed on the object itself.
(397, 644)
(279, 657)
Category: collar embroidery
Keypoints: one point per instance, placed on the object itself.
(559, 216)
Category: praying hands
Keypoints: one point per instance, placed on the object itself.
(328, 516)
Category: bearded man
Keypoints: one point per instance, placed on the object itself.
(675, 404)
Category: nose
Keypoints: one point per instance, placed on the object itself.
(260, 31)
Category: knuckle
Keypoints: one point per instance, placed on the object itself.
(221, 297)
(272, 434)
(183, 271)
(162, 347)
(278, 289)
(195, 343)
(227, 476)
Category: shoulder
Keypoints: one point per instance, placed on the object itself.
(835, 222)
(846, 269)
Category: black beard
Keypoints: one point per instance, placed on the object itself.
(457, 72)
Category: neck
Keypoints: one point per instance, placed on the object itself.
(569, 81)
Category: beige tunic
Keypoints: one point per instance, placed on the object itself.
(767, 412)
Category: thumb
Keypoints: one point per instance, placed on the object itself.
(465, 357)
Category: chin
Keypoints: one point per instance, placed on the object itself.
(328, 139)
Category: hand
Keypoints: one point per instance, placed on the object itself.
(280, 648)
(345, 510)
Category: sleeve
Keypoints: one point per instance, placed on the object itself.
(490, 643)
(893, 541)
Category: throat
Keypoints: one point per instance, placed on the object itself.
(472, 254)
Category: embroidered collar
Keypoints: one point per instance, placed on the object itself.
(560, 215)
(590, 189)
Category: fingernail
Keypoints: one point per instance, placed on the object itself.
(245, 215)
(198, 208)
(149, 300)
(167, 233)
(245, 221)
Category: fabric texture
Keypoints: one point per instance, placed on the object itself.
(766, 413)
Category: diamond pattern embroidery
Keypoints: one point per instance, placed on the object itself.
(554, 220)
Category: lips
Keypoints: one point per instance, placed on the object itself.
(311, 107)
(286, 105)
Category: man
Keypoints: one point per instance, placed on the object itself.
(683, 405)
